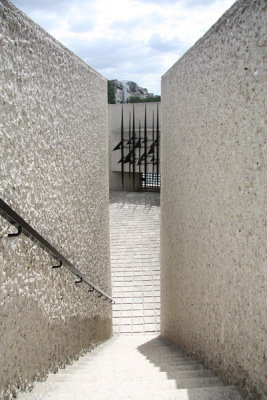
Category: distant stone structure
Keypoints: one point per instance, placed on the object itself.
(126, 89)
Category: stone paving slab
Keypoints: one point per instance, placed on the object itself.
(135, 261)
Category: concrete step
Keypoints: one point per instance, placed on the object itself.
(148, 384)
(133, 368)
(116, 376)
(210, 393)
(188, 383)
(95, 387)
(84, 376)
(109, 365)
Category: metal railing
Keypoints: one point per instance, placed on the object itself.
(23, 227)
(140, 150)
(150, 182)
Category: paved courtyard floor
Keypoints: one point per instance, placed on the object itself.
(135, 261)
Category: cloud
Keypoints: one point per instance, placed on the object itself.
(97, 52)
(80, 25)
(163, 45)
(47, 5)
(186, 3)
(126, 26)
(119, 54)
(196, 3)
(127, 39)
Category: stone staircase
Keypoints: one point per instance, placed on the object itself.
(137, 367)
(135, 364)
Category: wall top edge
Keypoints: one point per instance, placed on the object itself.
(237, 8)
(135, 104)
(24, 18)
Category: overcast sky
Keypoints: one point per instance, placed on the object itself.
(137, 40)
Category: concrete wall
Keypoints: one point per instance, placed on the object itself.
(54, 173)
(213, 191)
(114, 126)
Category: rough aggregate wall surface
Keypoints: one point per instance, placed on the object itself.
(213, 203)
(54, 173)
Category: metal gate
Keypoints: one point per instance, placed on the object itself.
(139, 147)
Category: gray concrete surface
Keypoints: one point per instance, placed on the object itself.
(54, 173)
(135, 253)
(213, 203)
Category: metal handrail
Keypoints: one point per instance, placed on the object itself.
(23, 227)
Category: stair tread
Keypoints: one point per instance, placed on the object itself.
(209, 393)
(179, 374)
(129, 384)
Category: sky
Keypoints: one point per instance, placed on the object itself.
(135, 40)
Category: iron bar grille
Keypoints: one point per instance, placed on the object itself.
(150, 182)
(139, 148)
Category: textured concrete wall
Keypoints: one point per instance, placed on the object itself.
(213, 192)
(54, 173)
(114, 127)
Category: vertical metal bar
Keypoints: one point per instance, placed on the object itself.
(129, 145)
(157, 145)
(139, 137)
(133, 148)
(145, 139)
(153, 139)
(122, 148)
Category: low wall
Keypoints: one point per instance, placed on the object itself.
(54, 173)
(213, 238)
